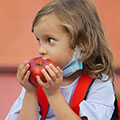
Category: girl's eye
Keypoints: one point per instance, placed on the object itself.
(51, 40)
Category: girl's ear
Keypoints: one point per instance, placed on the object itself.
(77, 53)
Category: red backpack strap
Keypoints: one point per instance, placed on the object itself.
(116, 114)
(79, 95)
(43, 102)
(118, 104)
(81, 89)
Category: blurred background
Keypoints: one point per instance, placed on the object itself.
(17, 42)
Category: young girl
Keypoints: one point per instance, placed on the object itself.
(69, 33)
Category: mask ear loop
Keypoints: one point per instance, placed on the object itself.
(77, 53)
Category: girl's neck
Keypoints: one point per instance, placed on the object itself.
(68, 80)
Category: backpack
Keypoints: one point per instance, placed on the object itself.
(80, 94)
(116, 113)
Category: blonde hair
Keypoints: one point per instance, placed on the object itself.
(80, 19)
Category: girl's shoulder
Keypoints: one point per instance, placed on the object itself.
(99, 103)
(102, 91)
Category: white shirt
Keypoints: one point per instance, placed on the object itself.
(99, 104)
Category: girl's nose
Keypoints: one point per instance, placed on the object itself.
(42, 51)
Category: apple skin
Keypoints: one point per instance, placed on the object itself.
(36, 65)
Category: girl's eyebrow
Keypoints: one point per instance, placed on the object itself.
(46, 36)
(49, 36)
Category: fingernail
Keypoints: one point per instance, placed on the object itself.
(46, 66)
(26, 61)
(37, 76)
(28, 65)
(43, 70)
(50, 64)
(58, 67)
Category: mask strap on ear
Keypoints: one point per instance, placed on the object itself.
(77, 53)
(74, 64)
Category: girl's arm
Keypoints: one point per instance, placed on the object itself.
(29, 109)
(61, 109)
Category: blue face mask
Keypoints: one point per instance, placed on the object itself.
(72, 67)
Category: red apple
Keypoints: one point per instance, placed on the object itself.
(36, 65)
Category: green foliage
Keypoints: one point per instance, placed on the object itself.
(118, 96)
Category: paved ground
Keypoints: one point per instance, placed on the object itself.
(9, 90)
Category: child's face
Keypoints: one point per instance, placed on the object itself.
(53, 40)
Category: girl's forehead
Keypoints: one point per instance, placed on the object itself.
(49, 25)
(49, 22)
(49, 18)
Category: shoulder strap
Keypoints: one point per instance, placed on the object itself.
(81, 89)
(116, 113)
(43, 102)
(118, 106)
(79, 95)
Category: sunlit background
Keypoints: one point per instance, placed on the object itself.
(17, 42)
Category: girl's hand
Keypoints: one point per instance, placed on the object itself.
(54, 79)
(23, 77)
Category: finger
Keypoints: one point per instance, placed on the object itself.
(47, 77)
(26, 76)
(24, 70)
(61, 73)
(57, 70)
(21, 66)
(50, 71)
(40, 82)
